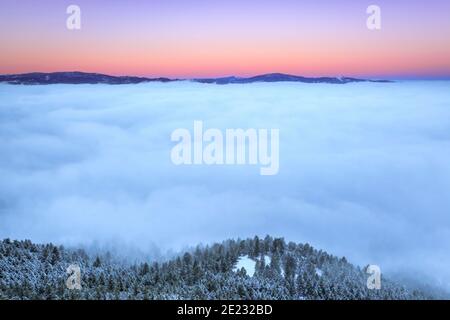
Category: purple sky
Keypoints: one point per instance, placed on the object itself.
(188, 38)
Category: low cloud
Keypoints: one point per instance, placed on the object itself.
(364, 168)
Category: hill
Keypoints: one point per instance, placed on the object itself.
(281, 271)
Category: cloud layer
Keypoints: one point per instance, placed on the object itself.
(364, 168)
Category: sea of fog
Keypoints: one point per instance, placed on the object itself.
(364, 168)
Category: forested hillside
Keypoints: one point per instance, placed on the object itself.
(281, 271)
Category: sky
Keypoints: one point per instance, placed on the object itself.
(202, 38)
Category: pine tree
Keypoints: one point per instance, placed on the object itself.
(275, 265)
(97, 262)
(256, 248)
(145, 269)
(290, 267)
(55, 256)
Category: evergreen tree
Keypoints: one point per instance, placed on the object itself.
(55, 256)
(97, 263)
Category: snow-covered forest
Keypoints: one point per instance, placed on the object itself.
(281, 271)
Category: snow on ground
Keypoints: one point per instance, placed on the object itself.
(247, 263)
(319, 272)
(267, 260)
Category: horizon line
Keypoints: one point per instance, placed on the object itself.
(362, 77)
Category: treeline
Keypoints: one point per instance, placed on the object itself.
(282, 271)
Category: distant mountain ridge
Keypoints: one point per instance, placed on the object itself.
(39, 78)
(76, 77)
(281, 77)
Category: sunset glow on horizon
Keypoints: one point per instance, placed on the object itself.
(197, 38)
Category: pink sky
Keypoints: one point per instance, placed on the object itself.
(197, 38)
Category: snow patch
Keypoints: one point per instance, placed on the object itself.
(319, 272)
(247, 263)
